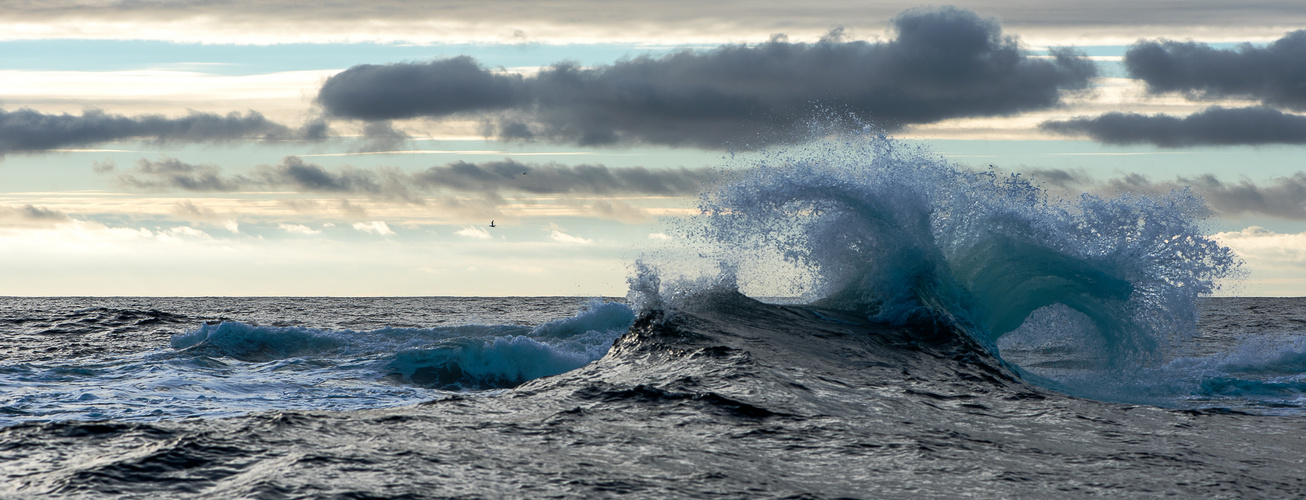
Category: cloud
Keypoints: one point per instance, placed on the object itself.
(348, 208)
(407, 90)
(493, 177)
(562, 237)
(552, 178)
(298, 229)
(1274, 74)
(374, 227)
(474, 232)
(171, 174)
(381, 136)
(183, 232)
(190, 211)
(1065, 179)
(294, 173)
(26, 130)
(1283, 197)
(1265, 248)
(616, 210)
(944, 63)
(30, 216)
(1213, 126)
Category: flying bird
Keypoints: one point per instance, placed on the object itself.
(491, 222)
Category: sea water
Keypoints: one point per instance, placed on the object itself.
(150, 359)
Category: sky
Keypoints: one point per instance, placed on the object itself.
(260, 148)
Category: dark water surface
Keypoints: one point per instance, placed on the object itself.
(726, 398)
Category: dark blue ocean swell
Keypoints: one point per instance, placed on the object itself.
(467, 357)
(500, 360)
(259, 343)
(895, 232)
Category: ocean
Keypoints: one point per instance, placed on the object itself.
(945, 333)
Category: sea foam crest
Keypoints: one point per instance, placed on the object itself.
(867, 223)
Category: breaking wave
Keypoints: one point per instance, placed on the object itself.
(896, 233)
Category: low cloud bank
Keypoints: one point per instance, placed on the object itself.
(30, 216)
(1283, 197)
(27, 130)
(1213, 126)
(493, 177)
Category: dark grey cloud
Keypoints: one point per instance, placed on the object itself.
(1283, 197)
(293, 173)
(494, 177)
(406, 90)
(1216, 126)
(171, 174)
(26, 130)
(1065, 179)
(1274, 74)
(943, 63)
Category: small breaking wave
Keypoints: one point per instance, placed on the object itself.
(468, 357)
